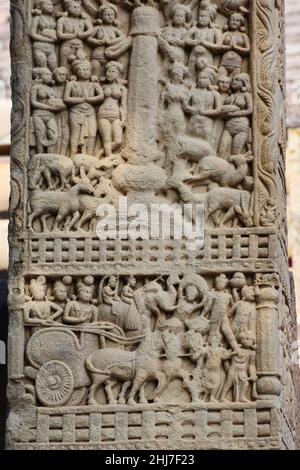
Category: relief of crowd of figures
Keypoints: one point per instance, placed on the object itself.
(79, 113)
(126, 339)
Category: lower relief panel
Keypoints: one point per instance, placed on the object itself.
(166, 362)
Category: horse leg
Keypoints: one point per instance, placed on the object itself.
(124, 389)
(139, 379)
(110, 384)
(142, 396)
(97, 381)
(161, 386)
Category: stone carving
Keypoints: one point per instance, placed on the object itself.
(148, 343)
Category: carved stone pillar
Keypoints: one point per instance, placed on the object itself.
(126, 332)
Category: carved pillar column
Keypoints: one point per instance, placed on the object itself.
(143, 85)
(268, 342)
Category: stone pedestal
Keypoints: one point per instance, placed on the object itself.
(122, 339)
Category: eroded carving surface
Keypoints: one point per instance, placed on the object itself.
(162, 102)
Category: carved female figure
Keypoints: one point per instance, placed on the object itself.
(174, 99)
(113, 111)
(82, 95)
(237, 110)
(205, 34)
(106, 34)
(60, 76)
(82, 309)
(235, 37)
(236, 42)
(43, 33)
(44, 105)
(205, 104)
(72, 29)
(40, 310)
(172, 41)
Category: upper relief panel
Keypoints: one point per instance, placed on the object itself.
(147, 99)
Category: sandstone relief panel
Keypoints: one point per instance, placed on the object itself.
(144, 342)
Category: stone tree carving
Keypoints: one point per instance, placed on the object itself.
(147, 342)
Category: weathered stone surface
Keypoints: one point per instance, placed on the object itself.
(147, 343)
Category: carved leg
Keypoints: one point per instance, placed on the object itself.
(117, 133)
(228, 216)
(225, 145)
(46, 173)
(44, 222)
(40, 58)
(142, 396)
(227, 386)
(125, 387)
(110, 384)
(243, 391)
(52, 61)
(140, 378)
(75, 219)
(97, 381)
(161, 386)
(239, 142)
(105, 130)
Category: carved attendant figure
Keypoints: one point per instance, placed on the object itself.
(106, 34)
(244, 313)
(235, 37)
(44, 105)
(205, 104)
(173, 38)
(40, 310)
(188, 304)
(127, 294)
(82, 95)
(72, 29)
(174, 99)
(206, 34)
(241, 371)
(60, 76)
(223, 84)
(237, 111)
(43, 33)
(82, 310)
(60, 291)
(218, 303)
(113, 111)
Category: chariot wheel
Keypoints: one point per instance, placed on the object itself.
(54, 383)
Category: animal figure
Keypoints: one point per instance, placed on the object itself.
(59, 204)
(228, 174)
(111, 366)
(153, 301)
(235, 202)
(54, 170)
(93, 168)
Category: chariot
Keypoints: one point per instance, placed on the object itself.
(57, 355)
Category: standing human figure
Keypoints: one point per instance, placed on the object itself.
(43, 34)
(82, 95)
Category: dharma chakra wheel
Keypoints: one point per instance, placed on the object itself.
(54, 383)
